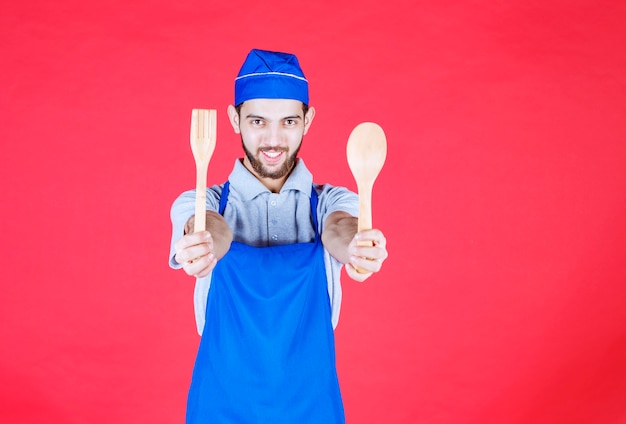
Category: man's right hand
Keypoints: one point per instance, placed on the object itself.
(195, 252)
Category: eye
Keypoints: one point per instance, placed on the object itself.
(257, 122)
(290, 122)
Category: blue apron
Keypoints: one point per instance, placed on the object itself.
(267, 353)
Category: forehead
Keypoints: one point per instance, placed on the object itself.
(272, 108)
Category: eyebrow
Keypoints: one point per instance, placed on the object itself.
(253, 116)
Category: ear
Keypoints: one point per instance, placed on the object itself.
(233, 116)
(308, 119)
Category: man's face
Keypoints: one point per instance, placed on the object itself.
(271, 132)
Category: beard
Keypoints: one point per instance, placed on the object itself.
(275, 174)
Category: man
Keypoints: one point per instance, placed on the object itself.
(267, 291)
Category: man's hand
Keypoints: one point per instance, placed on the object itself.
(342, 241)
(368, 251)
(195, 252)
(199, 252)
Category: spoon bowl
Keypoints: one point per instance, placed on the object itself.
(366, 152)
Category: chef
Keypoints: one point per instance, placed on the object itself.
(268, 268)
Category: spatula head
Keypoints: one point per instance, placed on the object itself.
(366, 152)
(203, 133)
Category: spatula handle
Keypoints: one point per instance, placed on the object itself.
(199, 223)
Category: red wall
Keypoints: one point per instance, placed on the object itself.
(503, 200)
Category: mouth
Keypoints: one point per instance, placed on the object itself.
(272, 156)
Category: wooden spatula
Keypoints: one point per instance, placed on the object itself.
(366, 151)
(203, 130)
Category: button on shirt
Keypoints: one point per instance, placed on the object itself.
(261, 218)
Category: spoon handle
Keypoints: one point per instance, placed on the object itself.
(365, 216)
(365, 211)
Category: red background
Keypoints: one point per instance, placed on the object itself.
(503, 200)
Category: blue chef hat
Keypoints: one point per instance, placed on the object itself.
(271, 75)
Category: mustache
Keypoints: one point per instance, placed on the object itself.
(273, 149)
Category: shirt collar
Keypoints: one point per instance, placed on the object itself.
(248, 186)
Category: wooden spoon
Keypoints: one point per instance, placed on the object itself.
(366, 151)
(203, 130)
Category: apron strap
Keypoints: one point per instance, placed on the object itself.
(314, 212)
(224, 201)
(224, 197)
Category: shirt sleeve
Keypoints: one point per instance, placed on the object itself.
(333, 199)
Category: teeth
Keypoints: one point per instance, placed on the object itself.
(272, 154)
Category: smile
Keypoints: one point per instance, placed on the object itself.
(272, 155)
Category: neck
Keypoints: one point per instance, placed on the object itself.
(274, 185)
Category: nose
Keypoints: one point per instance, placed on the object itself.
(273, 135)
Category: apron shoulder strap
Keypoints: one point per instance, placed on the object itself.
(224, 197)
(314, 212)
